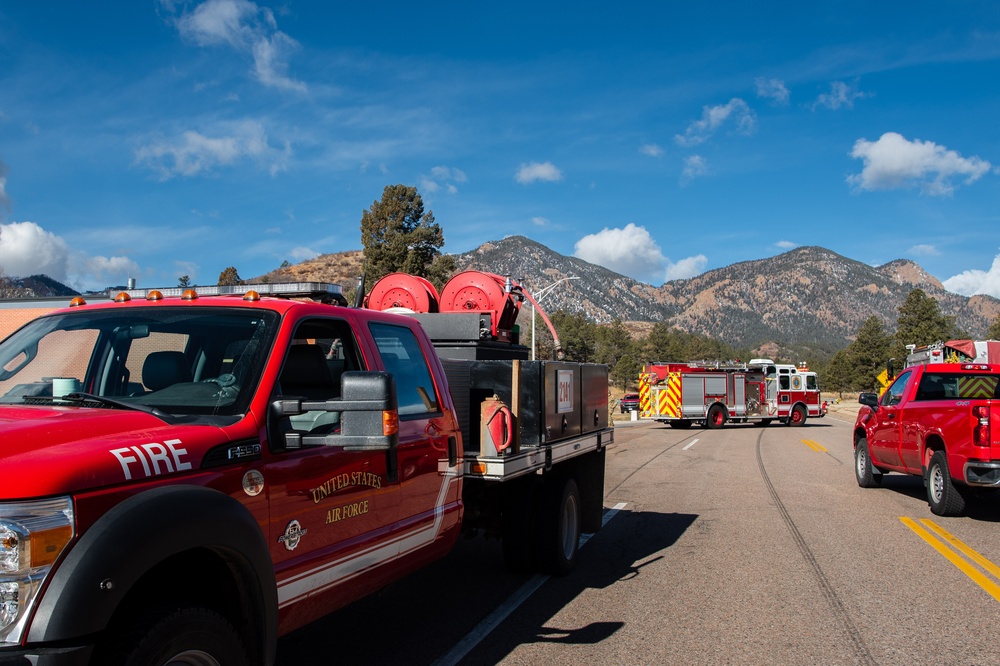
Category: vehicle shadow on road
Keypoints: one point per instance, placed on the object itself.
(981, 504)
(618, 554)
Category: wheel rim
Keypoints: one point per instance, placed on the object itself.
(862, 461)
(192, 658)
(570, 526)
(937, 484)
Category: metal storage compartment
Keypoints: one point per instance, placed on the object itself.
(594, 397)
(561, 400)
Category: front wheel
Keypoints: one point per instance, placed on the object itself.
(944, 498)
(559, 534)
(798, 416)
(863, 470)
(186, 636)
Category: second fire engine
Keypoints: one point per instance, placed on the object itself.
(712, 393)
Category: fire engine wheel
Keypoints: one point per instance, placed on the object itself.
(944, 498)
(798, 416)
(716, 417)
(863, 470)
(559, 533)
(186, 636)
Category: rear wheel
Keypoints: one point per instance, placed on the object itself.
(798, 416)
(863, 470)
(716, 417)
(944, 498)
(186, 636)
(559, 533)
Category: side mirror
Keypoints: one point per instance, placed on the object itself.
(369, 419)
(869, 399)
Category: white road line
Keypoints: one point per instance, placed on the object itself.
(692, 443)
(491, 621)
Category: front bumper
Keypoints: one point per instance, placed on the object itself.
(47, 656)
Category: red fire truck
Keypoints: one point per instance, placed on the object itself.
(714, 393)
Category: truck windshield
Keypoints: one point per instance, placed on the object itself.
(965, 386)
(184, 360)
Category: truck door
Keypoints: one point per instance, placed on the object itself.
(331, 508)
(429, 501)
(885, 432)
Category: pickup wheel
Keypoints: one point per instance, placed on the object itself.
(863, 470)
(559, 533)
(944, 497)
(187, 636)
(716, 417)
(798, 416)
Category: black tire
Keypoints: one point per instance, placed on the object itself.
(682, 425)
(716, 417)
(187, 636)
(944, 498)
(798, 416)
(559, 533)
(863, 470)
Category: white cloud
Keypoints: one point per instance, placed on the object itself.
(300, 254)
(892, 162)
(786, 245)
(535, 171)
(540, 221)
(976, 281)
(772, 89)
(695, 166)
(736, 112)
(27, 249)
(651, 150)
(442, 176)
(841, 95)
(630, 251)
(923, 250)
(686, 268)
(193, 153)
(247, 28)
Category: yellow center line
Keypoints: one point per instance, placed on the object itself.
(815, 446)
(991, 568)
(977, 576)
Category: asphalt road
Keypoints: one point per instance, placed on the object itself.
(744, 545)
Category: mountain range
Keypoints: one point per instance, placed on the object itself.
(806, 302)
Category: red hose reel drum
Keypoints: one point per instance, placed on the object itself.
(402, 290)
(473, 290)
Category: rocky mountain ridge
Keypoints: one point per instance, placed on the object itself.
(808, 298)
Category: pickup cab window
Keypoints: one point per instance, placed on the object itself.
(402, 356)
(894, 394)
(964, 386)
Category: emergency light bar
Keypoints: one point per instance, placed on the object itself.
(283, 289)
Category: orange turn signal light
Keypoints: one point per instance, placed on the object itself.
(390, 423)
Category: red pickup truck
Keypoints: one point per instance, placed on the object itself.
(933, 421)
(188, 476)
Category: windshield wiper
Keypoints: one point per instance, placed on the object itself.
(82, 397)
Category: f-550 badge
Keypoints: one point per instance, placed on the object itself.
(293, 534)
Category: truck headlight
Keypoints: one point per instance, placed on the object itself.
(32, 536)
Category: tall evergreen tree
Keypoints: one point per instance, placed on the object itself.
(921, 322)
(398, 235)
(229, 277)
(867, 356)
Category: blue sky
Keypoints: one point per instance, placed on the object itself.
(154, 139)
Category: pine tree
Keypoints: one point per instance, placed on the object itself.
(921, 323)
(397, 235)
(229, 277)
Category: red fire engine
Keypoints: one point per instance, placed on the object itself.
(714, 393)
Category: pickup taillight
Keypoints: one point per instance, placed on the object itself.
(981, 425)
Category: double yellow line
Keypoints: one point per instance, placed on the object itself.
(950, 547)
(815, 446)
